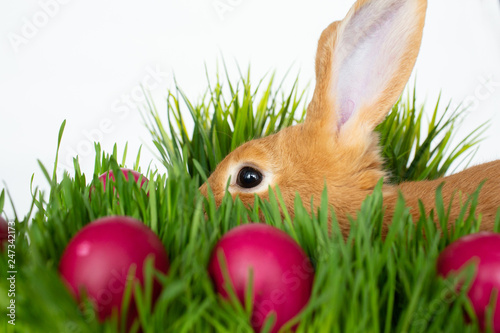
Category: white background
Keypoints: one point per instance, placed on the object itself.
(83, 61)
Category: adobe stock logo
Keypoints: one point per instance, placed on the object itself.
(486, 88)
(222, 7)
(122, 107)
(31, 26)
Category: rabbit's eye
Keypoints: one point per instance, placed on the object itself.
(249, 177)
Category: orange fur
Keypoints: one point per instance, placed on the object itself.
(344, 154)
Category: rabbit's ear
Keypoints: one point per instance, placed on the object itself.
(364, 61)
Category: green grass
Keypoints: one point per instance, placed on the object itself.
(229, 114)
(232, 112)
(414, 151)
(362, 284)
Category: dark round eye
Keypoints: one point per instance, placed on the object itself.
(249, 177)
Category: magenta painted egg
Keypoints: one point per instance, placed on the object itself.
(282, 273)
(126, 172)
(4, 233)
(481, 249)
(99, 256)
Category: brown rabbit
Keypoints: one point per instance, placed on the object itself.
(362, 65)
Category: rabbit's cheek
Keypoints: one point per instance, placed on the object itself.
(246, 198)
(203, 190)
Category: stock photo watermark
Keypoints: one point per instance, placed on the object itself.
(293, 280)
(484, 90)
(115, 286)
(31, 25)
(11, 273)
(447, 296)
(121, 108)
(223, 7)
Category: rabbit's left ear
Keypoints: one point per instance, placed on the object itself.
(364, 62)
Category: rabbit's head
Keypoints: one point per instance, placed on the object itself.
(362, 65)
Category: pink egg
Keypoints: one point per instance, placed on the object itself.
(126, 173)
(282, 273)
(482, 249)
(4, 233)
(99, 256)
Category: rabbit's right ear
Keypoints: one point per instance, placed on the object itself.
(364, 62)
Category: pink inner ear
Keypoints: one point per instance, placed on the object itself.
(367, 54)
(346, 110)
